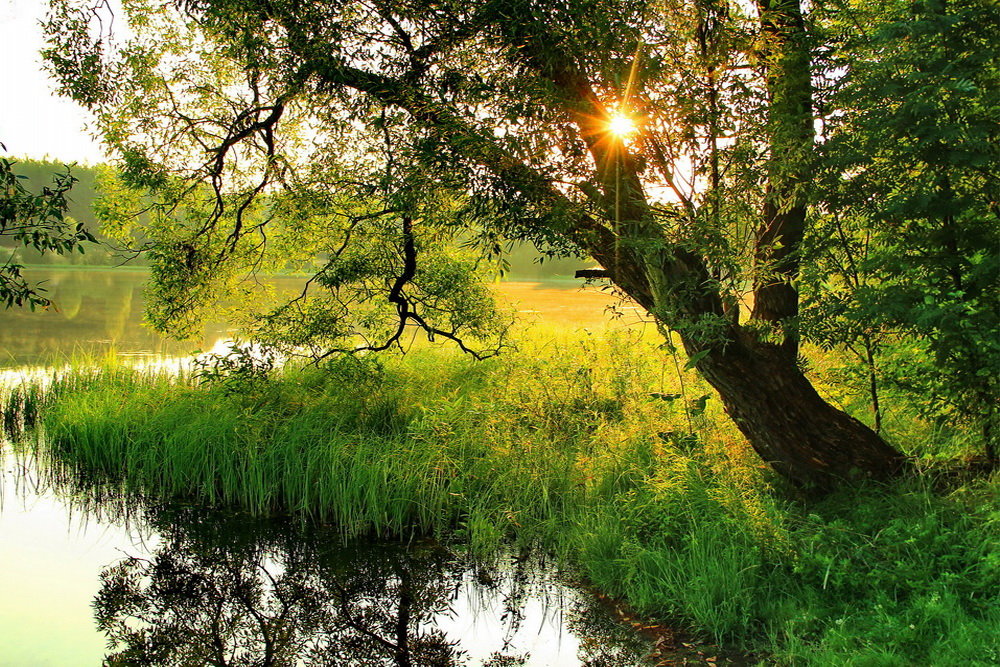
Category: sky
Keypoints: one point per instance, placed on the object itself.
(35, 122)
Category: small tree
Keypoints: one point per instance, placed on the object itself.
(34, 220)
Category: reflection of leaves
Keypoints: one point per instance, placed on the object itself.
(222, 590)
(191, 606)
(604, 642)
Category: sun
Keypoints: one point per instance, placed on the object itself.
(621, 125)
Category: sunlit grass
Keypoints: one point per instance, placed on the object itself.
(568, 446)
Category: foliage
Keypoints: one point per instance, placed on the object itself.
(924, 562)
(243, 368)
(375, 272)
(368, 152)
(37, 221)
(909, 253)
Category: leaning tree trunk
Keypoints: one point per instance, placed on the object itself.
(786, 421)
(803, 437)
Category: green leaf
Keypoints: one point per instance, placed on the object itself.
(695, 358)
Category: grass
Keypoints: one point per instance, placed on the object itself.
(568, 446)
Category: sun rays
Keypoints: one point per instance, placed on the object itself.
(621, 125)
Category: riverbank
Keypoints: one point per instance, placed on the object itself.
(591, 449)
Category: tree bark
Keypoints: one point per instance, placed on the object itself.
(790, 139)
(805, 439)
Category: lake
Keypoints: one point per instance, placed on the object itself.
(101, 310)
(89, 575)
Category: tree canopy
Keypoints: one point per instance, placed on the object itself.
(909, 243)
(393, 147)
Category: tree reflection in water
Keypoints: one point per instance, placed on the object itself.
(225, 591)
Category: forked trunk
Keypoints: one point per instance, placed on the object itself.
(804, 438)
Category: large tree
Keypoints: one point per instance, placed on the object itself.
(370, 133)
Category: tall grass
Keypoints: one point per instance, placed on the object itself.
(583, 448)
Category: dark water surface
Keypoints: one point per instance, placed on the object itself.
(173, 584)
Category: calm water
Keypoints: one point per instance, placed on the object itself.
(183, 585)
(99, 310)
(87, 576)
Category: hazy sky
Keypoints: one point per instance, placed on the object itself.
(34, 121)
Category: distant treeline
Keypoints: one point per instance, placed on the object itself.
(39, 174)
(525, 262)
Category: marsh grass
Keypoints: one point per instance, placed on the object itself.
(572, 445)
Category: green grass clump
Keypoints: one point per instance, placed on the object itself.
(582, 448)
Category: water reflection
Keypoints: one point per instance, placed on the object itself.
(225, 591)
(101, 310)
(95, 311)
(199, 602)
(208, 587)
(180, 585)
